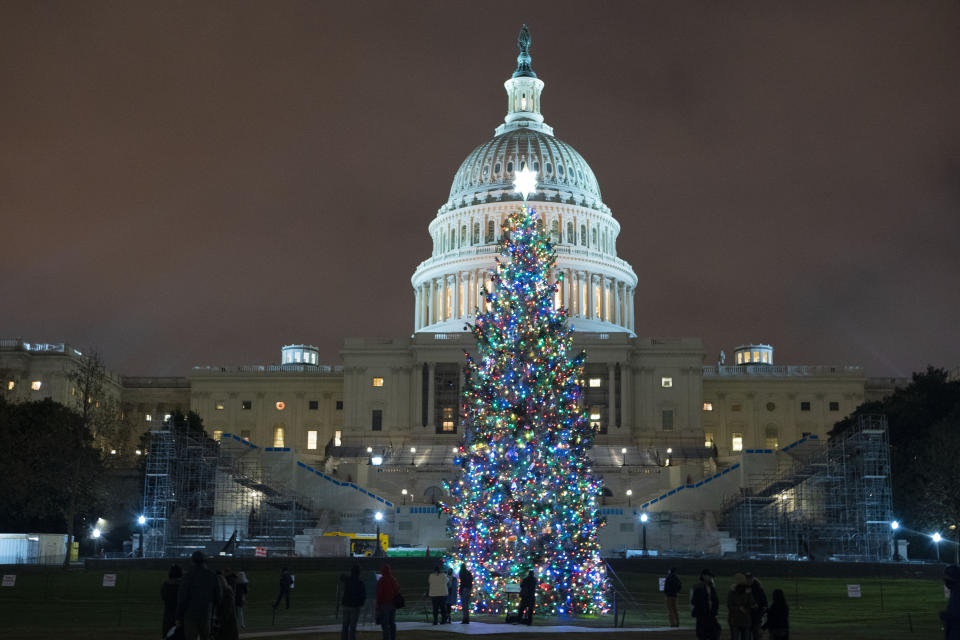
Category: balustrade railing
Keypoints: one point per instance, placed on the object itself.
(780, 371)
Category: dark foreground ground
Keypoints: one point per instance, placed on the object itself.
(52, 603)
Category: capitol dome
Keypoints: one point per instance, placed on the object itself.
(595, 286)
(488, 172)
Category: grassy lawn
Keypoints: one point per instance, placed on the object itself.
(57, 604)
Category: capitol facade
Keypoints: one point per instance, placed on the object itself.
(665, 414)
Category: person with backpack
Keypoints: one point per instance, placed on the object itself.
(354, 595)
(671, 589)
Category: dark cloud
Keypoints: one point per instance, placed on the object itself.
(184, 184)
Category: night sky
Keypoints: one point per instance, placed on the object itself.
(185, 184)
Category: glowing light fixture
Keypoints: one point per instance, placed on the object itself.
(894, 525)
(96, 533)
(644, 517)
(378, 516)
(142, 520)
(937, 537)
(376, 461)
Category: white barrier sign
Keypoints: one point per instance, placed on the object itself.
(663, 583)
(853, 591)
(9, 579)
(109, 579)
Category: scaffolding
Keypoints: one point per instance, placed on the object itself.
(230, 495)
(827, 502)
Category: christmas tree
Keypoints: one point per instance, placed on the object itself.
(525, 497)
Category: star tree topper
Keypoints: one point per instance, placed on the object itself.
(526, 182)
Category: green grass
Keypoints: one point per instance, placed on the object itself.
(57, 604)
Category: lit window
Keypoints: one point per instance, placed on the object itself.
(834, 406)
(446, 423)
(739, 358)
(746, 357)
(10, 385)
(756, 356)
(167, 416)
(148, 418)
(220, 405)
(296, 356)
(311, 439)
(772, 438)
(217, 434)
(246, 405)
(336, 438)
(36, 384)
(708, 406)
(376, 420)
(278, 436)
(708, 439)
(594, 382)
(281, 405)
(667, 419)
(595, 421)
(666, 383)
(245, 434)
(736, 442)
(313, 405)
(378, 382)
(763, 356)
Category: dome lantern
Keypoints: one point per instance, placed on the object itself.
(523, 93)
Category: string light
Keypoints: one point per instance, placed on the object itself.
(525, 497)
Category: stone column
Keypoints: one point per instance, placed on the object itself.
(630, 310)
(416, 308)
(455, 279)
(443, 300)
(612, 393)
(591, 305)
(626, 395)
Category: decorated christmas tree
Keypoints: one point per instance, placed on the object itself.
(525, 498)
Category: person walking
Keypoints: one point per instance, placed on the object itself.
(354, 595)
(704, 607)
(671, 588)
(528, 599)
(951, 617)
(437, 583)
(388, 590)
(778, 617)
(169, 591)
(466, 592)
(286, 582)
(740, 606)
(452, 585)
(225, 613)
(240, 597)
(760, 598)
(199, 592)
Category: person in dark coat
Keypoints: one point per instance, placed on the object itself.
(370, 584)
(452, 588)
(354, 595)
(760, 598)
(951, 617)
(704, 607)
(387, 591)
(168, 593)
(225, 613)
(671, 588)
(286, 582)
(199, 593)
(466, 591)
(240, 590)
(740, 606)
(528, 599)
(778, 617)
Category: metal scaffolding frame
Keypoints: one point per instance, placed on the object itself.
(831, 503)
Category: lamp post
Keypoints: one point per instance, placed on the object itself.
(936, 541)
(623, 460)
(403, 492)
(96, 541)
(643, 525)
(142, 520)
(629, 496)
(893, 527)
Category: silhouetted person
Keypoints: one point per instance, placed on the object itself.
(388, 589)
(671, 588)
(169, 593)
(225, 613)
(704, 607)
(528, 589)
(354, 595)
(286, 581)
(199, 593)
(452, 584)
(951, 617)
(760, 598)
(778, 617)
(466, 592)
(240, 590)
(740, 606)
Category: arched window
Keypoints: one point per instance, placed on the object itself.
(476, 233)
(570, 238)
(509, 166)
(463, 235)
(453, 240)
(560, 170)
(549, 168)
(496, 168)
(536, 166)
(583, 234)
(593, 236)
(490, 228)
(555, 231)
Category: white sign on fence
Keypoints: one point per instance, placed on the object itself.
(853, 591)
(663, 583)
(9, 579)
(109, 579)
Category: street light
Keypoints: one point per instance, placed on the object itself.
(936, 537)
(403, 492)
(629, 493)
(378, 516)
(895, 525)
(643, 523)
(141, 520)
